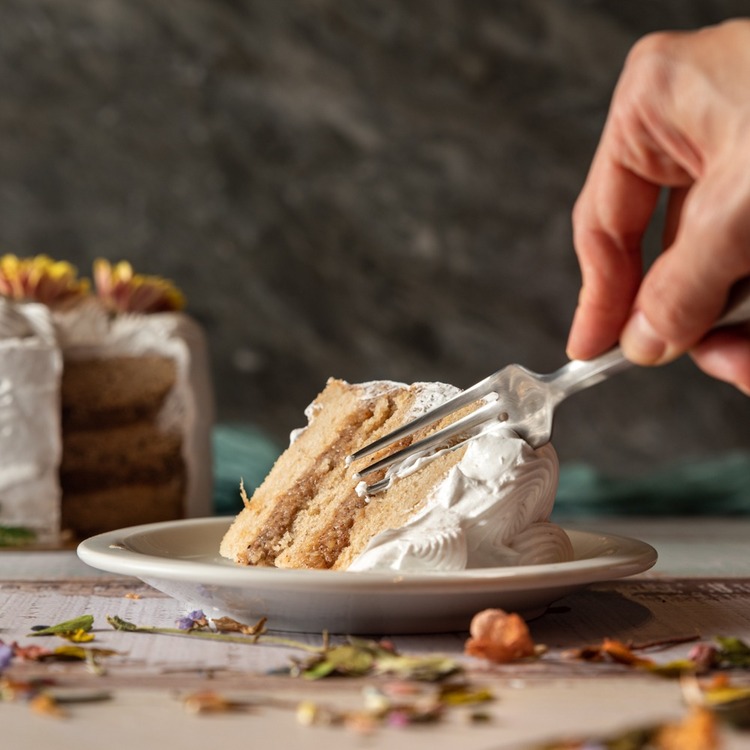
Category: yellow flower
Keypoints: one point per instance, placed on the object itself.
(40, 279)
(121, 290)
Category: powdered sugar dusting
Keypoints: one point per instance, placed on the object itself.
(429, 396)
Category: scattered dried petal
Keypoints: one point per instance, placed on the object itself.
(45, 705)
(733, 652)
(622, 654)
(207, 702)
(361, 723)
(499, 637)
(83, 623)
(31, 653)
(228, 625)
(311, 714)
(78, 636)
(6, 655)
(195, 620)
(11, 690)
(462, 694)
(697, 731)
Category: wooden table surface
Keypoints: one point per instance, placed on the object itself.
(700, 586)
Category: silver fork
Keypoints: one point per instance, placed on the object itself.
(522, 399)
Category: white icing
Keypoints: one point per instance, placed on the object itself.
(427, 397)
(30, 443)
(85, 324)
(491, 510)
(20, 320)
(13, 323)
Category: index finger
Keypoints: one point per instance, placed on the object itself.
(609, 221)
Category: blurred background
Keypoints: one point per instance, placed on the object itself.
(353, 188)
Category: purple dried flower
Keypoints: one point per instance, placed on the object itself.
(704, 655)
(398, 719)
(6, 655)
(196, 619)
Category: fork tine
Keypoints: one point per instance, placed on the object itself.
(469, 396)
(458, 427)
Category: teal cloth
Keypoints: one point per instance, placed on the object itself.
(241, 453)
(718, 487)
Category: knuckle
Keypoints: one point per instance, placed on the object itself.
(652, 47)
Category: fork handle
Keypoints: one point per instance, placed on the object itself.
(579, 374)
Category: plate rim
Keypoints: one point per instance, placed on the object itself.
(108, 551)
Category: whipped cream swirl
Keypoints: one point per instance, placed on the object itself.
(491, 510)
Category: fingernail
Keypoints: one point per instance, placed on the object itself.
(641, 343)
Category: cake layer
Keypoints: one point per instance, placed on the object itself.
(115, 390)
(262, 532)
(89, 513)
(137, 453)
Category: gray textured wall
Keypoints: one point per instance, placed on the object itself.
(359, 188)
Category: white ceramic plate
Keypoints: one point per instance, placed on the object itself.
(181, 559)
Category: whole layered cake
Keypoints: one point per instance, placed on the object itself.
(484, 502)
(105, 401)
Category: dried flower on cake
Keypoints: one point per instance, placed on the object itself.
(121, 290)
(499, 637)
(41, 279)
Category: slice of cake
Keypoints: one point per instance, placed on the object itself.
(105, 405)
(485, 502)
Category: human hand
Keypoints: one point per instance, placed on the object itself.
(679, 119)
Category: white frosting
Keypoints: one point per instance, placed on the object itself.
(491, 509)
(30, 443)
(32, 341)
